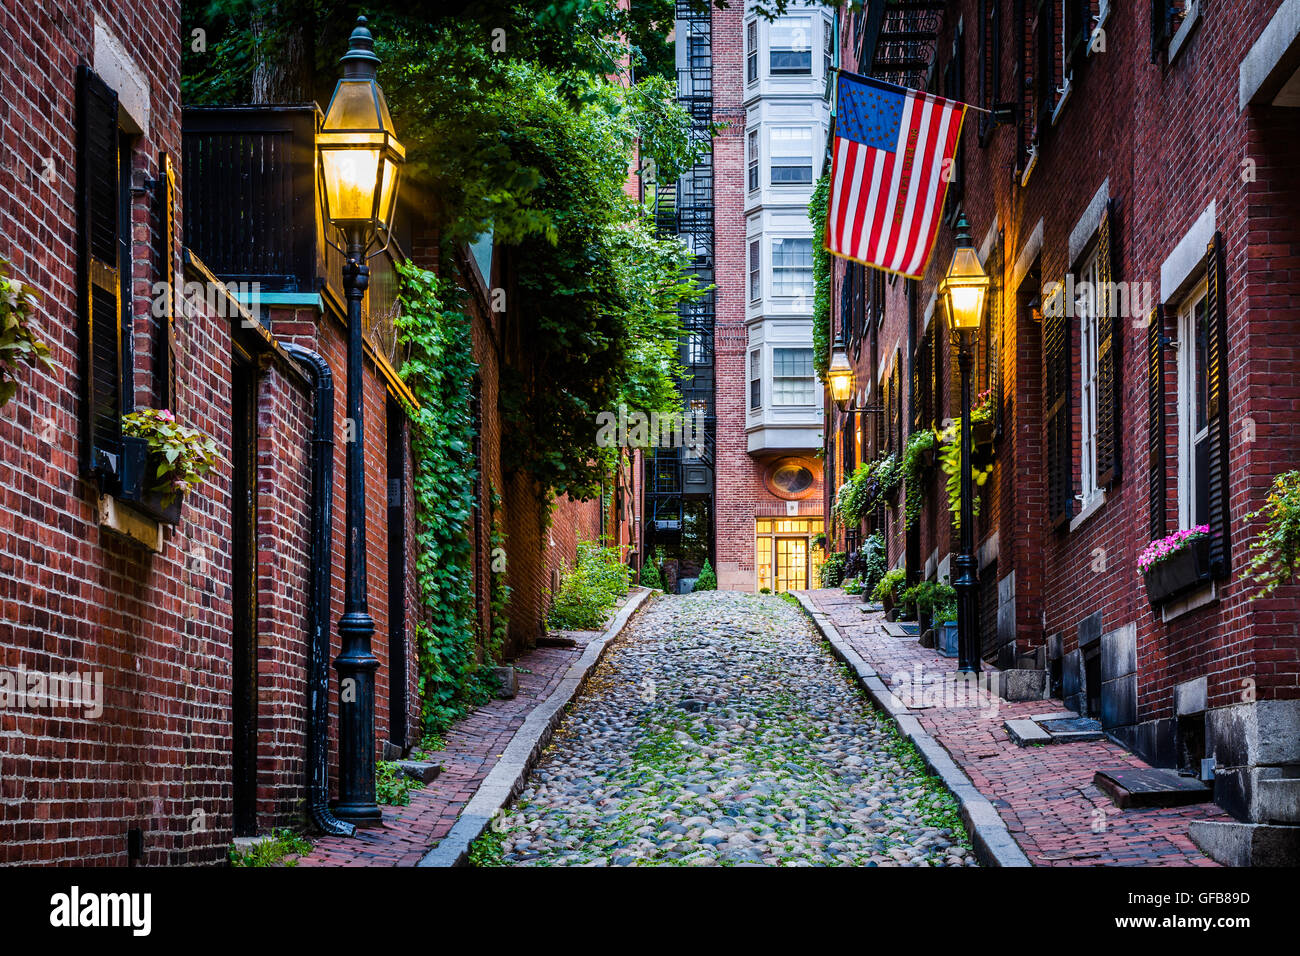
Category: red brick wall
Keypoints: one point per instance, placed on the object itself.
(1178, 143)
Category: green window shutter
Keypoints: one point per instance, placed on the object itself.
(1156, 421)
(1110, 360)
(100, 286)
(1217, 399)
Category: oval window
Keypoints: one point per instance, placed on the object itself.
(792, 479)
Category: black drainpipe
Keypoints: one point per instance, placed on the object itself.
(322, 506)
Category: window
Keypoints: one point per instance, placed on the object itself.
(752, 141)
(791, 268)
(791, 155)
(1193, 410)
(751, 51)
(990, 58)
(1086, 310)
(828, 56)
(1168, 17)
(755, 271)
(756, 379)
(792, 377)
(790, 47)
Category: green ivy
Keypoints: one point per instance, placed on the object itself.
(18, 341)
(499, 596)
(1275, 552)
(918, 443)
(821, 277)
(832, 570)
(438, 371)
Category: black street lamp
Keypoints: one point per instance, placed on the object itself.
(964, 291)
(359, 161)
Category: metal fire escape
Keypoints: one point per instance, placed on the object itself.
(681, 479)
(896, 40)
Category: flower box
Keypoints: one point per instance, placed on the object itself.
(137, 473)
(982, 433)
(1180, 572)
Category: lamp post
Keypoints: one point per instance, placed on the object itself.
(359, 162)
(964, 290)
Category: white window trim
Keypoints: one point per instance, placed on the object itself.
(756, 353)
(1179, 39)
(1186, 383)
(753, 161)
(1088, 332)
(750, 270)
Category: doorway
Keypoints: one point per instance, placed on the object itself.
(243, 566)
(784, 558)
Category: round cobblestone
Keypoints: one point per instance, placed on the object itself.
(718, 730)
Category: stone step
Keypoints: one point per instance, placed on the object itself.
(420, 770)
(902, 629)
(1025, 732)
(1137, 787)
(1233, 843)
(1071, 728)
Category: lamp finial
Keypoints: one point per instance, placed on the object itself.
(360, 60)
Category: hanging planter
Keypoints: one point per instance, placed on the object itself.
(1175, 564)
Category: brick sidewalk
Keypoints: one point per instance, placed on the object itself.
(473, 746)
(1045, 795)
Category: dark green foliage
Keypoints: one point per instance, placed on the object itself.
(589, 590)
(438, 370)
(392, 787)
(831, 572)
(708, 580)
(650, 576)
(821, 277)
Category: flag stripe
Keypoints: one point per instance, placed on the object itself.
(886, 203)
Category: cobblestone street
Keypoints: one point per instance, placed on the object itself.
(718, 730)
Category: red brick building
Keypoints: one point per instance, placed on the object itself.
(1170, 402)
(178, 264)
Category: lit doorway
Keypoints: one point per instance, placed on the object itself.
(784, 558)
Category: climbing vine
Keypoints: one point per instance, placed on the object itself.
(438, 371)
(499, 591)
(821, 278)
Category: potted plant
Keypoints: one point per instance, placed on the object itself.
(1175, 563)
(945, 627)
(885, 592)
(162, 460)
(18, 343)
(927, 597)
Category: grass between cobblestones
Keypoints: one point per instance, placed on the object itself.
(785, 762)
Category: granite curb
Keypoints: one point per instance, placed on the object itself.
(506, 778)
(994, 845)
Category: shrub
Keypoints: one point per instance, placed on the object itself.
(707, 581)
(888, 584)
(928, 596)
(831, 572)
(650, 576)
(590, 590)
(873, 561)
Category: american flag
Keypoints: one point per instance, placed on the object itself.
(892, 146)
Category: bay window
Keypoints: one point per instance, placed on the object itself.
(790, 47)
(792, 155)
(792, 377)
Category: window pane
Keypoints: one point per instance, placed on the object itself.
(1202, 359)
(790, 47)
(792, 267)
(792, 362)
(755, 272)
(791, 155)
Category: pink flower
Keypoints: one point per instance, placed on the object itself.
(166, 416)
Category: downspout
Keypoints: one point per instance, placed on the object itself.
(318, 651)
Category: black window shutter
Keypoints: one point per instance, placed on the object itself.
(100, 311)
(1057, 411)
(1161, 15)
(1110, 359)
(1217, 400)
(165, 343)
(1156, 420)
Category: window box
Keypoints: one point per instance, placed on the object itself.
(138, 469)
(982, 433)
(1179, 573)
